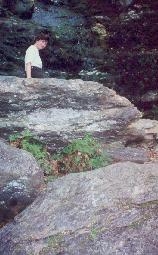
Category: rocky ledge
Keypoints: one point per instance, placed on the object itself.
(110, 211)
(59, 110)
(106, 211)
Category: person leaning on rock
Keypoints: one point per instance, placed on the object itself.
(33, 62)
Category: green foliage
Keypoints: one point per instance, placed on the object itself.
(35, 149)
(96, 231)
(26, 134)
(93, 234)
(86, 145)
(28, 142)
(46, 166)
(53, 244)
(54, 241)
(99, 161)
(13, 138)
(81, 155)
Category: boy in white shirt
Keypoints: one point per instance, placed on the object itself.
(33, 62)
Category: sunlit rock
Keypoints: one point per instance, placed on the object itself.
(112, 210)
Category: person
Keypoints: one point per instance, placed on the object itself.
(33, 62)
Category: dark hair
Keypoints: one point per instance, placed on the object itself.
(42, 36)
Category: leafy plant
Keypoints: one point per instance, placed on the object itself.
(80, 155)
(28, 142)
(14, 137)
(93, 234)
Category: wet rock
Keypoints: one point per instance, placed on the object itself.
(20, 7)
(112, 210)
(100, 30)
(101, 33)
(64, 28)
(125, 2)
(20, 181)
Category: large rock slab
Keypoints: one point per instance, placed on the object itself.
(20, 181)
(109, 211)
(59, 110)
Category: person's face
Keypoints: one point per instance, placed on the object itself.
(41, 44)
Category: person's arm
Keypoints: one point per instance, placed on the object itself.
(28, 70)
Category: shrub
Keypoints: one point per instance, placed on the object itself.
(27, 142)
(80, 155)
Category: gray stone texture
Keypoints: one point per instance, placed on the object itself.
(59, 110)
(20, 180)
(112, 210)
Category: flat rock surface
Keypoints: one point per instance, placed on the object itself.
(123, 154)
(112, 210)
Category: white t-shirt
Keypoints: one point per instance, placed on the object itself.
(32, 55)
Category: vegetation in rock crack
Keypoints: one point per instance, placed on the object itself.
(54, 243)
(80, 155)
(26, 141)
(93, 234)
(95, 231)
